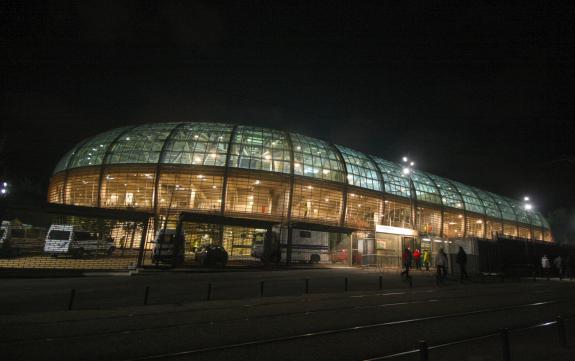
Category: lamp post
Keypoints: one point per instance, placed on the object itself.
(528, 206)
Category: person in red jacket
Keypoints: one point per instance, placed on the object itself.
(417, 259)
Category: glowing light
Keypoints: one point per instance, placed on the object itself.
(405, 159)
(526, 199)
(268, 157)
(326, 171)
(412, 164)
(406, 170)
(257, 182)
(528, 207)
(200, 176)
(309, 187)
(127, 138)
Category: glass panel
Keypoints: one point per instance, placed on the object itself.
(142, 144)
(397, 214)
(124, 187)
(474, 226)
(536, 219)
(316, 158)
(363, 211)
(199, 144)
(56, 188)
(361, 171)
(425, 189)
(62, 164)
(507, 212)
(509, 229)
(92, 152)
(82, 187)
(537, 234)
(259, 148)
(197, 190)
(316, 202)
(450, 196)
(493, 228)
(471, 199)
(453, 224)
(524, 232)
(491, 208)
(547, 235)
(428, 220)
(238, 242)
(258, 196)
(395, 182)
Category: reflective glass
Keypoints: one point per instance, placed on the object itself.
(507, 211)
(198, 144)
(536, 219)
(425, 189)
(471, 199)
(259, 148)
(361, 171)
(491, 208)
(316, 158)
(63, 163)
(142, 144)
(93, 151)
(450, 197)
(394, 181)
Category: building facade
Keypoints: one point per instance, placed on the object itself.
(287, 179)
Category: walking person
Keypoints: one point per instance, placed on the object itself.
(441, 266)
(558, 264)
(417, 259)
(406, 258)
(426, 259)
(545, 266)
(462, 262)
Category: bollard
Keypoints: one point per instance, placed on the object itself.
(380, 282)
(410, 281)
(506, 351)
(261, 288)
(307, 286)
(146, 293)
(562, 332)
(209, 291)
(423, 351)
(71, 300)
(345, 285)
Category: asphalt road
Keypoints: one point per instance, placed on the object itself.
(109, 321)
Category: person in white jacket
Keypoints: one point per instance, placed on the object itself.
(441, 266)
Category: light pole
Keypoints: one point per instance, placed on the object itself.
(528, 206)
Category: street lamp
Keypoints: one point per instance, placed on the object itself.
(4, 189)
(407, 165)
(526, 205)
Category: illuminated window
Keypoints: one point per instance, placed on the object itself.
(395, 182)
(509, 229)
(142, 144)
(474, 226)
(262, 149)
(56, 188)
(363, 210)
(128, 187)
(428, 220)
(198, 144)
(397, 214)
(471, 199)
(425, 189)
(491, 208)
(196, 190)
(453, 224)
(507, 212)
(317, 202)
(361, 171)
(316, 158)
(450, 196)
(82, 187)
(493, 228)
(93, 151)
(258, 196)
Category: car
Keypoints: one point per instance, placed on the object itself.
(211, 255)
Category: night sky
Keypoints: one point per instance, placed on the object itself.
(476, 91)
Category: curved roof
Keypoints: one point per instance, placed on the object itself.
(212, 144)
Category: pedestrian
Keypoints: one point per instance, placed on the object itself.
(462, 261)
(441, 266)
(417, 259)
(426, 259)
(406, 258)
(558, 264)
(545, 266)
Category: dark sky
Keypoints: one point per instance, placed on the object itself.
(477, 91)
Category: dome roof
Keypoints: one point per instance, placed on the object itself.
(248, 147)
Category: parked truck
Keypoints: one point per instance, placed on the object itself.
(307, 246)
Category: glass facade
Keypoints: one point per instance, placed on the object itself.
(261, 149)
(394, 181)
(361, 171)
(170, 167)
(317, 159)
(198, 144)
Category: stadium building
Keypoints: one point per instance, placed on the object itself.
(229, 182)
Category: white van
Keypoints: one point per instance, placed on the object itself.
(307, 246)
(66, 239)
(164, 245)
(18, 239)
